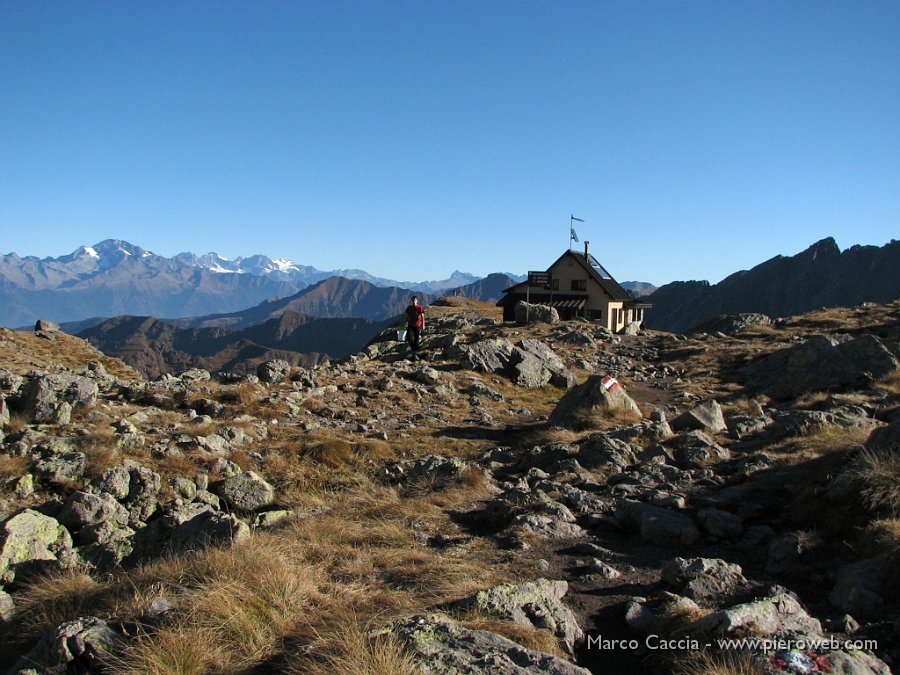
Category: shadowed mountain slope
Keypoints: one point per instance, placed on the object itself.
(820, 276)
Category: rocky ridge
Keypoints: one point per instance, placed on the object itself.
(619, 502)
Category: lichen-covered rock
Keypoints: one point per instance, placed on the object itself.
(29, 537)
(59, 468)
(115, 480)
(85, 509)
(82, 645)
(443, 646)
(534, 604)
(487, 356)
(246, 492)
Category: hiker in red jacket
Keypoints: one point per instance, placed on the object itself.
(415, 324)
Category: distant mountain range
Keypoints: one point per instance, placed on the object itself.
(331, 319)
(116, 278)
(820, 276)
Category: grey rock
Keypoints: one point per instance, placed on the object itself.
(443, 646)
(274, 370)
(704, 578)
(857, 588)
(143, 491)
(719, 523)
(658, 525)
(706, 416)
(487, 356)
(45, 326)
(855, 663)
(694, 450)
(4, 413)
(603, 451)
(439, 471)
(84, 508)
(778, 614)
(42, 395)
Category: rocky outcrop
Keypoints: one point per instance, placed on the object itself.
(46, 397)
(536, 604)
(821, 363)
(85, 645)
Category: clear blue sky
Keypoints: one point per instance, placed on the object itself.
(410, 139)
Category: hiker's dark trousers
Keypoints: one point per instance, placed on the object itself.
(413, 335)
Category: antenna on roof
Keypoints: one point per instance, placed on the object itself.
(572, 235)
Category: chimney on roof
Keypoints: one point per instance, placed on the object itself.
(585, 249)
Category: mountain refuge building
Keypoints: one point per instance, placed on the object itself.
(577, 285)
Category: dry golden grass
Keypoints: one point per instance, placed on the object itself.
(718, 663)
(347, 644)
(878, 474)
(890, 383)
(23, 351)
(50, 600)
(599, 419)
(825, 441)
(535, 639)
(12, 467)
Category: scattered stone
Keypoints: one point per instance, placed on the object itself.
(245, 492)
(706, 416)
(657, 525)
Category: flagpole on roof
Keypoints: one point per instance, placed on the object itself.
(572, 235)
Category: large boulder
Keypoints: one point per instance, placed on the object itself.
(526, 313)
(245, 492)
(535, 365)
(592, 395)
(440, 645)
(706, 416)
(821, 363)
(534, 604)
